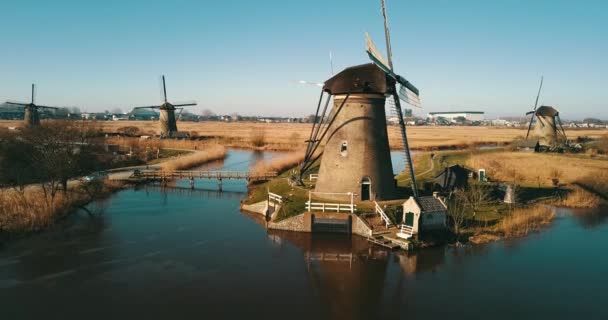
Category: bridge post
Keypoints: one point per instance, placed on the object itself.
(191, 182)
(219, 182)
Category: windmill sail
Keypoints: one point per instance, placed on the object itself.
(407, 92)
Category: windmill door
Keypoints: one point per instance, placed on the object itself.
(409, 219)
(366, 189)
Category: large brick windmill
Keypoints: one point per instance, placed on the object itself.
(168, 123)
(32, 115)
(356, 156)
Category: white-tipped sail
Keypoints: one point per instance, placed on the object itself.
(375, 55)
(409, 97)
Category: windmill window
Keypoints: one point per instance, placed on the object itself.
(344, 148)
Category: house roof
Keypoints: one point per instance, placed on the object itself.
(430, 204)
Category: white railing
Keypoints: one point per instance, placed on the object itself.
(313, 177)
(405, 229)
(405, 232)
(383, 215)
(275, 197)
(336, 207)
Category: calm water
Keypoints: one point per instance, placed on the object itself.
(177, 254)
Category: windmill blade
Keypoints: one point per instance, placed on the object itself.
(164, 89)
(538, 95)
(530, 126)
(147, 107)
(15, 103)
(47, 107)
(408, 92)
(408, 96)
(179, 115)
(530, 112)
(559, 120)
(185, 104)
(33, 93)
(376, 57)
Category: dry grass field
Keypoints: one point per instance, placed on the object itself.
(291, 136)
(538, 169)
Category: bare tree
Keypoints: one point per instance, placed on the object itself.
(457, 211)
(476, 196)
(207, 114)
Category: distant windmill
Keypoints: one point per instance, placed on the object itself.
(168, 124)
(32, 117)
(547, 122)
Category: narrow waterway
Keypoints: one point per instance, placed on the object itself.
(177, 253)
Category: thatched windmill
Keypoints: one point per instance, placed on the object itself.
(32, 116)
(356, 156)
(168, 124)
(548, 129)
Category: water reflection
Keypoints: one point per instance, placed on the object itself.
(186, 253)
(346, 273)
(591, 218)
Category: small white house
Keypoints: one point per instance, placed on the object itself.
(425, 213)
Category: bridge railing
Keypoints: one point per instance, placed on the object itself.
(215, 175)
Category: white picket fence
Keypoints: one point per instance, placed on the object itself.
(275, 198)
(383, 215)
(405, 231)
(335, 207)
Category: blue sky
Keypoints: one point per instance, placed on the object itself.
(247, 56)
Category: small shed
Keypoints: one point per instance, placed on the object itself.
(453, 177)
(425, 213)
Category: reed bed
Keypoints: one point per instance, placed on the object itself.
(279, 164)
(579, 198)
(210, 153)
(525, 220)
(596, 183)
(33, 210)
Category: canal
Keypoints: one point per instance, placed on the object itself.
(169, 254)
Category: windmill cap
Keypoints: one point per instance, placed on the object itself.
(365, 78)
(547, 111)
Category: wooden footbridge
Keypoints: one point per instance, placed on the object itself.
(162, 175)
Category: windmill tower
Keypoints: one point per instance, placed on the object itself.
(167, 120)
(356, 157)
(548, 129)
(32, 116)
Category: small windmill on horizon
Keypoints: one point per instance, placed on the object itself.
(167, 119)
(32, 115)
(548, 129)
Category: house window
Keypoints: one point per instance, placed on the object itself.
(344, 148)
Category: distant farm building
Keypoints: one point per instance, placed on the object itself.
(451, 178)
(143, 114)
(454, 116)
